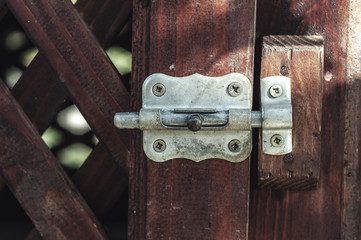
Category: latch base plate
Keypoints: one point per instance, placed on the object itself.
(196, 93)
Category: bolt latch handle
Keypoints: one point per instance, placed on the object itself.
(160, 120)
(194, 122)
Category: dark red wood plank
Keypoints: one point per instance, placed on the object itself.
(37, 180)
(80, 64)
(39, 93)
(351, 189)
(351, 194)
(301, 59)
(181, 199)
(101, 181)
(311, 214)
(105, 18)
(138, 163)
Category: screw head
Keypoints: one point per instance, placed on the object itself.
(234, 89)
(276, 91)
(159, 145)
(277, 140)
(158, 89)
(285, 71)
(234, 145)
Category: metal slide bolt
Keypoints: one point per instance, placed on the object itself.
(158, 89)
(234, 89)
(277, 140)
(276, 91)
(159, 145)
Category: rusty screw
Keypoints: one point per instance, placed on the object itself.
(234, 89)
(277, 140)
(159, 145)
(158, 89)
(285, 71)
(234, 145)
(276, 91)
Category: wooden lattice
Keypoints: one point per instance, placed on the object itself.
(71, 64)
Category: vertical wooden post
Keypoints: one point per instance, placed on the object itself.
(332, 211)
(181, 199)
(351, 185)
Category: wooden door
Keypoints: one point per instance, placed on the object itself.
(178, 199)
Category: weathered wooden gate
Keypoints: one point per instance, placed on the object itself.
(178, 199)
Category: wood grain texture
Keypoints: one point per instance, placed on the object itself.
(138, 162)
(181, 199)
(301, 59)
(312, 214)
(105, 19)
(39, 93)
(351, 195)
(351, 189)
(37, 179)
(101, 181)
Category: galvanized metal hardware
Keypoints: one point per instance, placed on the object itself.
(276, 115)
(198, 117)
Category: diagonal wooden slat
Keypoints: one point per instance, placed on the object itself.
(101, 182)
(37, 179)
(39, 93)
(80, 64)
(105, 18)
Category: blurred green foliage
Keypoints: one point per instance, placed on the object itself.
(121, 58)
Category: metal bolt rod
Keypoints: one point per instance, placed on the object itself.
(256, 119)
(127, 120)
(130, 120)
